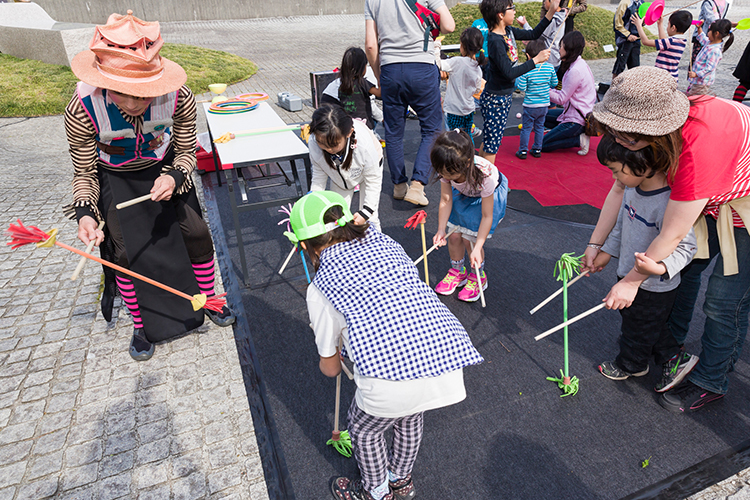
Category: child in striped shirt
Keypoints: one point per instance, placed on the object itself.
(671, 44)
(703, 72)
(536, 84)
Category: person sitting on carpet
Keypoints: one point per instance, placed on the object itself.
(428, 347)
(577, 98)
(644, 324)
(131, 130)
(473, 196)
(465, 79)
(535, 85)
(347, 152)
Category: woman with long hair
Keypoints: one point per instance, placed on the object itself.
(577, 98)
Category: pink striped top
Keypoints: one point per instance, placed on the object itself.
(715, 159)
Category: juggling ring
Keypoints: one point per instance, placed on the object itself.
(255, 96)
(232, 106)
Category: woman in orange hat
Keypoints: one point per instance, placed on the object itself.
(131, 130)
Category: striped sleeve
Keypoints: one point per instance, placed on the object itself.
(184, 140)
(82, 146)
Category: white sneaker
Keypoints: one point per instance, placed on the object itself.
(585, 141)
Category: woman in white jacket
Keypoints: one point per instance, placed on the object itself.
(346, 151)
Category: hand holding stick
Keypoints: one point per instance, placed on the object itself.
(433, 247)
(570, 321)
(548, 299)
(134, 201)
(82, 262)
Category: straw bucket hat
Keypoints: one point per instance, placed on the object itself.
(124, 56)
(643, 100)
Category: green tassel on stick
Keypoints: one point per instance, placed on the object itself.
(340, 440)
(564, 269)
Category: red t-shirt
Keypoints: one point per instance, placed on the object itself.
(715, 158)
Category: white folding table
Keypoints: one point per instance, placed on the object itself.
(258, 150)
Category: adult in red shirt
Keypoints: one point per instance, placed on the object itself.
(703, 143)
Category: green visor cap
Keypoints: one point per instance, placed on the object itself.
(307, 215)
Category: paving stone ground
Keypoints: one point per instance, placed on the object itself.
(78, 418)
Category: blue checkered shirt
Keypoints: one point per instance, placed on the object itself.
(398, 328)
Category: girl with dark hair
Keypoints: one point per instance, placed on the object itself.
(577, 98)
(355, 91)
(347, 152)
(504, 66)
(473, 196)
(465, 79)
(367, 294)
(703, 72)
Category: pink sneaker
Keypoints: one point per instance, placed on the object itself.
(452, 280)
(470, 293)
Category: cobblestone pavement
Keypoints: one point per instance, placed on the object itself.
(79, 419)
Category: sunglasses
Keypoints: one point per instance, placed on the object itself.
(510, 7)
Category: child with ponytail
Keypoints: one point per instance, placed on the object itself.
(703, 72)
(473, 195)
(465, 79)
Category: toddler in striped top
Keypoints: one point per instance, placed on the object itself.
(536, 84)
(670, 44)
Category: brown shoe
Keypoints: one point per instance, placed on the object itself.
(399, 191)
(416, 195)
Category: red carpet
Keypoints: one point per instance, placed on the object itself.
(561, 177)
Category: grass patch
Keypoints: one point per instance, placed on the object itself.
(34, 88)
(595, 24)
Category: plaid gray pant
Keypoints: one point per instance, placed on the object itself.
(371, 451)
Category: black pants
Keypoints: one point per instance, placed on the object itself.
(194, 230)
(628, 56)
(645, 332)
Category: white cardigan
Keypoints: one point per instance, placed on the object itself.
(366, 170)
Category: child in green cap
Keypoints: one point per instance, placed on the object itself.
(367, 292)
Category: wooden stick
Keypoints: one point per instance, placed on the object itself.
(338, 396)
(546, 301)
(479, 277)
(685, 7)
(346, 370)
(424, 254)
(134, 201)
(570, 321)
(433, 247)
(288, 258)
(82, 262)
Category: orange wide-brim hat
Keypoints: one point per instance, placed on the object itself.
(124, 56)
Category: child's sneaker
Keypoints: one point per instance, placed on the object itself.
(452, 280)
(470, 293)
(610, 370)
(676, 369)
(344, 488)
(403, 489)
